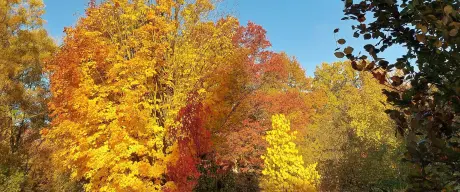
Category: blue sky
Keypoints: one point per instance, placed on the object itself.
(301, 28)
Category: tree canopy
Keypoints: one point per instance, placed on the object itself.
(424, 81)
(173, 95)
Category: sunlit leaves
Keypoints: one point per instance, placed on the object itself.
(254, 85)
(120, 82)
(350, 120)
(283, 168)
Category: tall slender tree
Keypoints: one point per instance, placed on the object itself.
(284, 168)
(24, 47)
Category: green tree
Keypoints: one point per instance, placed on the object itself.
(428, 98)
(284, 168)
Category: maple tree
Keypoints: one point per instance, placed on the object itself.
(231, 101)
(119, 86)
(257, 84)
(191, 148)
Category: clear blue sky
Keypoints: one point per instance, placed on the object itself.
(301, 28)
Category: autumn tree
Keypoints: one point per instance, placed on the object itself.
(258, 83)
(231, 100)
(24, 47)
(192, 148)
(424, 80)
(351, 137)
(119, 83)
(284, 168)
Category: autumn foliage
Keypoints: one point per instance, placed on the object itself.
(165, 96)
(284, 168)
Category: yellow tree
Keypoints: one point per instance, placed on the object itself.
(119, 82)
(350, 131)
(284, 168)
(24, 47)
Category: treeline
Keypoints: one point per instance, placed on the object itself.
(160, 96)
